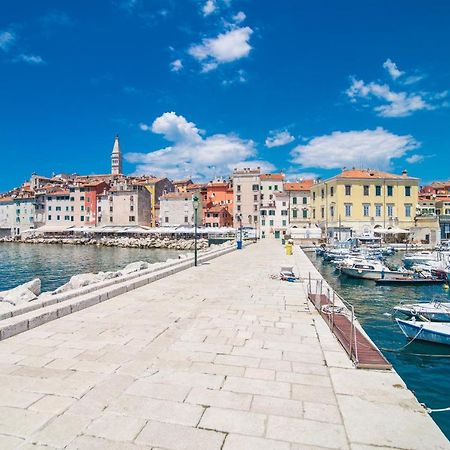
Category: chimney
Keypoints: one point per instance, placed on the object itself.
(405, 173)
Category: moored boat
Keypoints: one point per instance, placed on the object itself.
(436, 332)
(373, 271)
(433, 311)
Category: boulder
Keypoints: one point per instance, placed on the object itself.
(23, 293)
(134, 267)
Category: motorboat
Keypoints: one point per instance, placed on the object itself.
(433, 311)
(435, 259)
(436, 332)
(373, 270)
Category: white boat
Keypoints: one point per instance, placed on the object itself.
(373, 270)
(434, 311)
(437, 332)
(435, 259)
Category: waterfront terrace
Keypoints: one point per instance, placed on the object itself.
(243, 363)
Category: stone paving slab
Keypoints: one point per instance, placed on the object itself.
(220, 356)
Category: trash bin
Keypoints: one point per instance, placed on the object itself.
(288, 248)
(239, 245)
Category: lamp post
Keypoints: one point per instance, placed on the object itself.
(239, 240)
(195, 204)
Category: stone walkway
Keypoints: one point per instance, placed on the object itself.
(215, 357)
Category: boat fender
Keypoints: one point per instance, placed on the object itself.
(359, 271)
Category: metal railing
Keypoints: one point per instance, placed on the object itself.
(332, 307)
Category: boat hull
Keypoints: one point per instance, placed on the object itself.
(373, 275)
(433, 312)
(425, 331)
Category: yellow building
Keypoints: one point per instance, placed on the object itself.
(157, 187)
(358, 201)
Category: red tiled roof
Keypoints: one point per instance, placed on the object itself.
(217, 209)
(369, 174)
(272, 176)
(304, 185)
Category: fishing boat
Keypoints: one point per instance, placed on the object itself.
(373, 270)
(437, 332)
(433, 311)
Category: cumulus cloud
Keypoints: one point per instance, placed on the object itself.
(192, 153)
(239, 17)
(176, 66)
(392, 68)
(7, 39)
(279, 138)
(392, 104)
(209, 7)
(30, 59)
(226, 47)
(367, 148)
(415, 159)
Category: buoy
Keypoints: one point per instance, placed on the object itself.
(446, 287)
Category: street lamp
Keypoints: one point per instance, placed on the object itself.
(195, 204)
(239, 241)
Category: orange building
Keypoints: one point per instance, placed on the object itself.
(218, 209)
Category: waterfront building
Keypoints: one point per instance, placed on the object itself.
(360, 201)
(271, 183)
(56, 209)
(274, 216)
(176, 208)
(91, 192)
(181, 185)
(246, 197)
(7, 216)
(217, 216)
(299, 202)
(157, 187)
(116, 158)
(218, 208)
(124, 204)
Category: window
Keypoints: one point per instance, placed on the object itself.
(82, 198)
(255, 207)
(366, 210)
(271, 223)
(275, 188)
(305, 200)
(283, 223)
(332, 211)
(294, 213)
(263, 212)
(390, 210)
(238, 207)
(348, 189)
(348, 210)
(49, 217)
(314, 196)
(322, 193)
(238, 198)
(366, 190)
(314, 213)
(111, 219)
(284, 203)
(82, 207)
(72, 208)
(255, 187)
(186, 219)
(166, 219)
(131, 219)
(378, 210)
(110, 209)
(271, 212)
(332, 191)
(255, 198)
(284, 212)
(408, 210)
(58, 217)
(99, 209)
(407, 191)
(82, 218)
(305, 213)
(270, 188)
(131, 207)
(322, 212)
(238, 188)
(263, 222)
(390, 191)
(378, 191)
(49, 208)
(294, 200)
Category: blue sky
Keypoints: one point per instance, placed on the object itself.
(197, 87)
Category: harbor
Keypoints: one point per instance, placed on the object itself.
(423, 365)
(180, 364)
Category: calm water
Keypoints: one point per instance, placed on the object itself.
(427, 377)
(55, 264)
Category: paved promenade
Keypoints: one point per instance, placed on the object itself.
(215, 357)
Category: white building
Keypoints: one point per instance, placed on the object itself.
(177, 208)
(246, 196)
(275, 216)
(16, 215)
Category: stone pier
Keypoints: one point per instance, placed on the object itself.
(220, 356)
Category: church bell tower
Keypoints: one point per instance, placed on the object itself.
(116, 158)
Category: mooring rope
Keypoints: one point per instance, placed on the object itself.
(397, 350)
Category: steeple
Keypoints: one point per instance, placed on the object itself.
(116, 158)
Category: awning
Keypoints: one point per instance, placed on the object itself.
(395, 230)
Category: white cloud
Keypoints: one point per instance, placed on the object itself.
(6, 40)
(30, 59)
(394, 104)
(226, 47)
(415, 159)
(279, 138)
(367, 148)
(239, 17)
(191, 153)
(209, 7)
(176, 66)
(392, 68)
